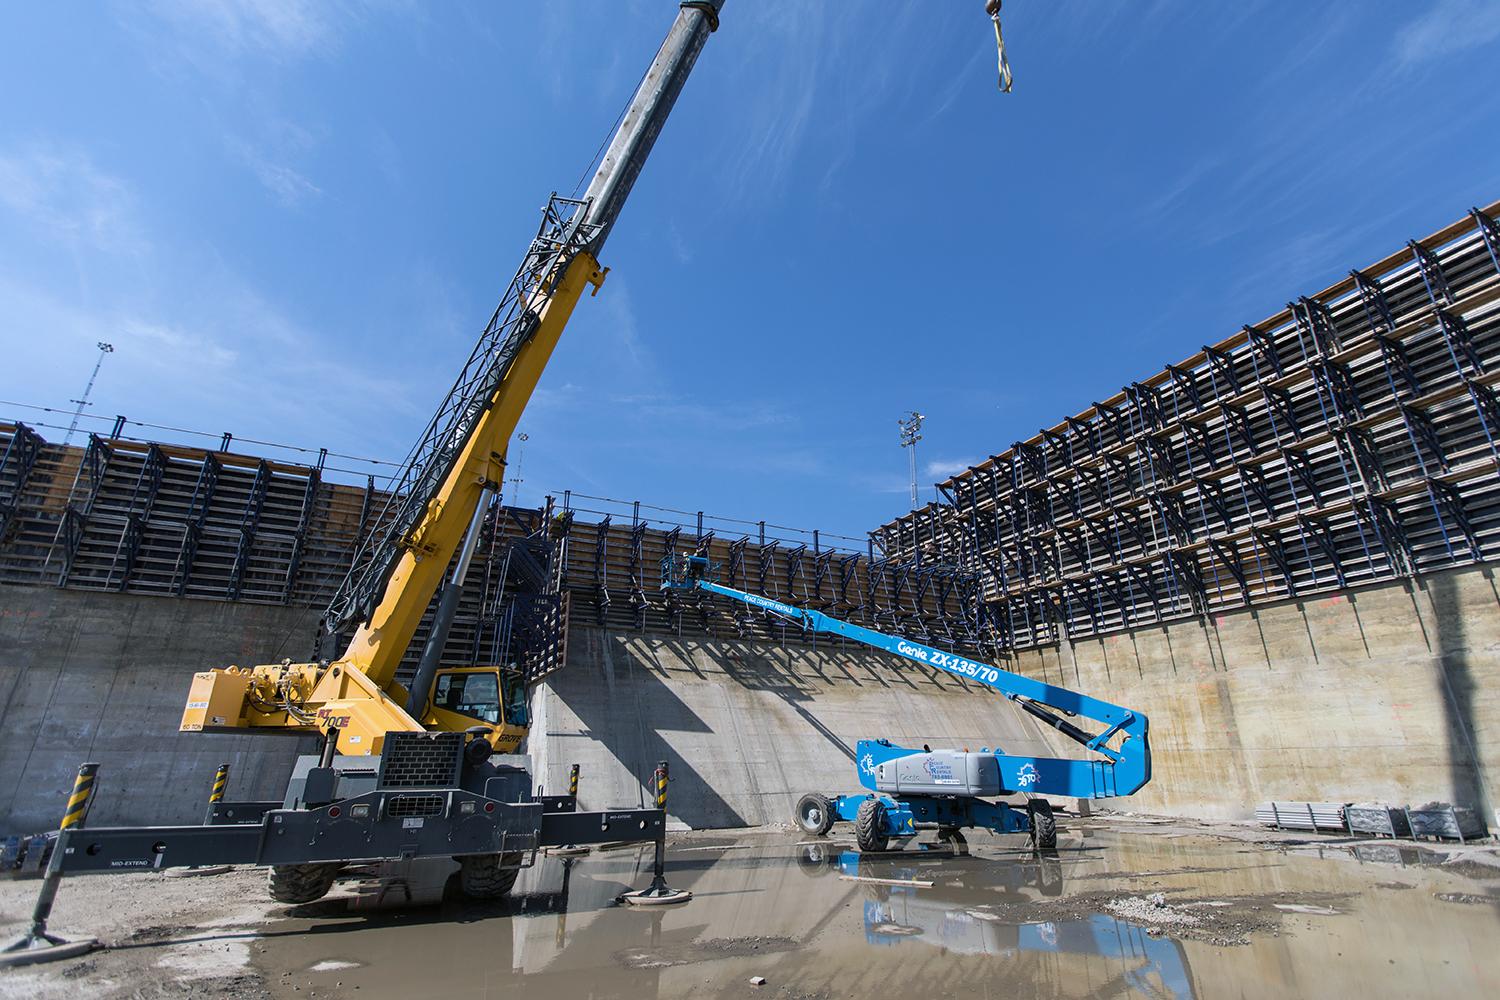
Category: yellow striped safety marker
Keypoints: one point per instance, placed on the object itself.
(82, 796)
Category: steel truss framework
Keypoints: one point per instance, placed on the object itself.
(1348, 439)
(609, 554)
(150, 518)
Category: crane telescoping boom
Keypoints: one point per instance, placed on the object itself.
(429, 771)
(435, 499)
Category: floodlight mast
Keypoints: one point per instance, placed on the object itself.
(911, 433)
(83, 400)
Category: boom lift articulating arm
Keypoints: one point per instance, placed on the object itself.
(1115, 770)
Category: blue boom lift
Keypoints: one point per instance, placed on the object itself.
(949, 789)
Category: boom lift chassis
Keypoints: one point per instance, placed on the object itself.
(949, 790)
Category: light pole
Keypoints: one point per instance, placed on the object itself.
(516, 480)
(911, 433)
(84, 399)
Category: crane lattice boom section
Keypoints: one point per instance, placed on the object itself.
(564, 233)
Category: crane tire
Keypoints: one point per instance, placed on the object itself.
(488, 876)
(814, 814)
(301, 883)
(1043, 825)
(869, 826)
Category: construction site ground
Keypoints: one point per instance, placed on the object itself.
(1128, 905)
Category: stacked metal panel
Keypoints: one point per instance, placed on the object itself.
(1347, 439)
(1301, 815)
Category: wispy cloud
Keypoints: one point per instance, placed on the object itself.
(1180, 189)
(1447, 27)
(174, 350)
(1303, 261)
(195, 341)
(235, 42)
(69, 199)
(288, 186)
(876, 483)
(688, 410)
(943, 468)
(679, 245)
(278, 27)
(243, 365)
(817, 74)
(635, 362)
(776, 121)
(961, 79)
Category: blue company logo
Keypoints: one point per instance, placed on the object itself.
(867, 763)
(765, 602)
(941, 772)
(1027, 776)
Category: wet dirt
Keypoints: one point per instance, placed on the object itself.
(1135, 911)
(1119, 910)
(699, 951)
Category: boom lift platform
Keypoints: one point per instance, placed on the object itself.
(947, 790)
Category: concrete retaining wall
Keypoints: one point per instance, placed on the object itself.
(1390, 692)
(103, 677)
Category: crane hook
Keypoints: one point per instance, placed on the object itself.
(992, 8)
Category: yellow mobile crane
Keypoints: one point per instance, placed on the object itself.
(437, 500)
(403, 774)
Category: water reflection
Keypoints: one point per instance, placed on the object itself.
(1398, 855)
(399, 885)
(905, 914)
(765, 907)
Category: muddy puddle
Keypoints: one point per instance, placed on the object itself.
(1112, 913)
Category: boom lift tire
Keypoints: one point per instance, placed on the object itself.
(814, 814)
(1043, 825)
(869, 826)
(488, 876)
(301, 883)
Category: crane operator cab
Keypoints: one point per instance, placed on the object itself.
(494, 697)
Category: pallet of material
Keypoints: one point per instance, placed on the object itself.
(1446, 822)
(1301, 815)
(1377, 819)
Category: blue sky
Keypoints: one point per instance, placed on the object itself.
(292, 217)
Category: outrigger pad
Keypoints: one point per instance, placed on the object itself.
(652, 897)
(35, 948)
